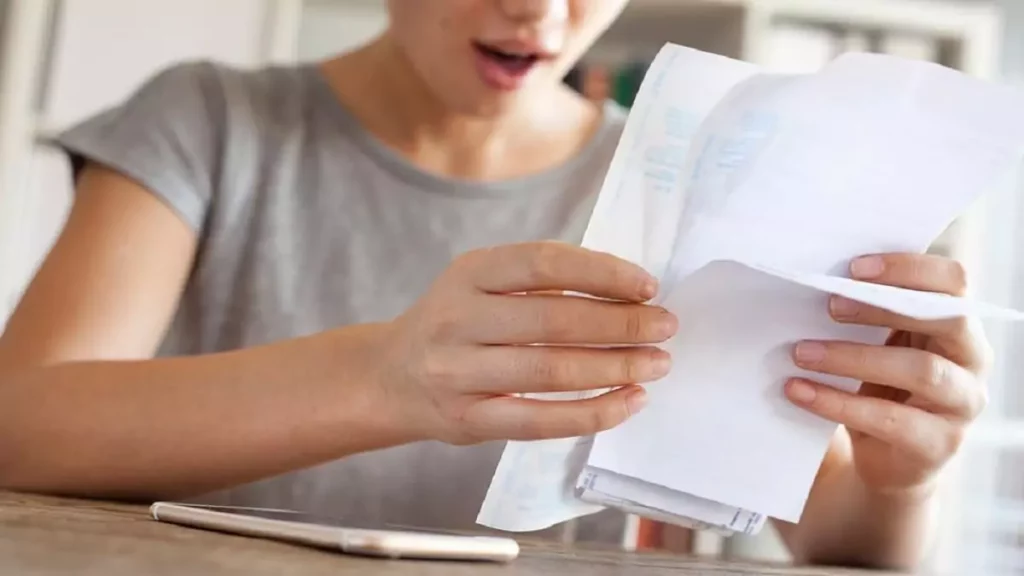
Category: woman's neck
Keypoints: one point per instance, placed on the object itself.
(539, 132)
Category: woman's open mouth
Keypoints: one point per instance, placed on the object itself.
(504, 69)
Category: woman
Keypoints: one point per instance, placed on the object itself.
(324, 260)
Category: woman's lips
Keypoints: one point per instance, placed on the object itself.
(503, 70)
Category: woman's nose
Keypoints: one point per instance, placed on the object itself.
(535, 10)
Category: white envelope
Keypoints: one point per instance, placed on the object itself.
(748, 194)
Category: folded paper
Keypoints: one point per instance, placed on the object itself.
(748, 194)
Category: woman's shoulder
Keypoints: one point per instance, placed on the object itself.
(206, 89)
(228, 93)
(203, 95)
(266, 90)
(173, 133)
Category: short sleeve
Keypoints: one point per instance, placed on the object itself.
(165, 136)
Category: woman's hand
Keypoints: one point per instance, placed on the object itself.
(921, 390)
(455, 363)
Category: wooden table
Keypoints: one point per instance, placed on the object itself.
(50, 536)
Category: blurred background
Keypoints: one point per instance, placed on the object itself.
(63, 60)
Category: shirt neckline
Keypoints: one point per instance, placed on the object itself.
(394, 163)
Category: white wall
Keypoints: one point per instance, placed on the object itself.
(332, 26)
(1006, 269)
(101, 51)
(104, 48)
(1013, 233)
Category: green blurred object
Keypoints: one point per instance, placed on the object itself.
(626, 83)
(623, 90)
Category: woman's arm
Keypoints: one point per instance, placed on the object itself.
(846, 524)
(178, 427)
(84, 411)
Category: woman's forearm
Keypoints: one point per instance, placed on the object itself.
(183, 426)
(845, 524)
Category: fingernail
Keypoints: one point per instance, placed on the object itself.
(661, 364)
(810, 352)
(649, 289)
(667, 325)
(843, 307)
(867, 267)
(636, 401)
(802, 391)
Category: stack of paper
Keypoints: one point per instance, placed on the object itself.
(748, 194)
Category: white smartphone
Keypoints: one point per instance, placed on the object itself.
(331, 534)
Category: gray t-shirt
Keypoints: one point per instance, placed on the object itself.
(306, 222)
